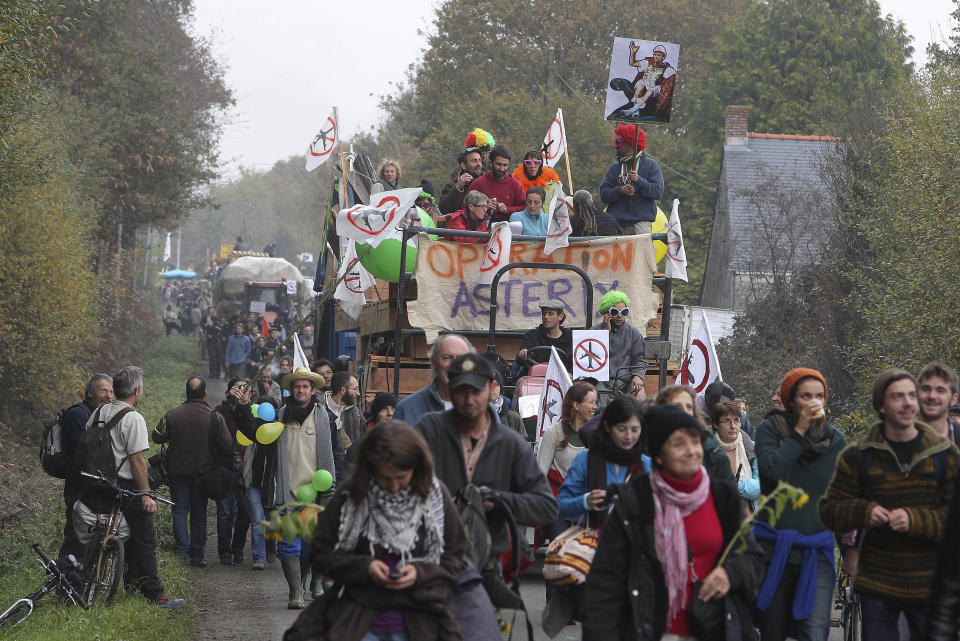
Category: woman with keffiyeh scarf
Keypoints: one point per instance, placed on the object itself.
(393, 544)
(667, 530)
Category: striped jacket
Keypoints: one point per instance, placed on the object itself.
(893, 565)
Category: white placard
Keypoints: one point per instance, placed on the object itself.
(258, 306)
(591, 353)
(291, 288)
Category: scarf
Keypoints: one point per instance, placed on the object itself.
(498, 404)
(545, 177)
(393, 521)
(670, 507)
(628, 164)
(742, 462)
(603, 450)
(298, 414)
(815, 442)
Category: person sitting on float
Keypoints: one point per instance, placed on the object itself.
(533, 172)
(475, 216)
(533, 218)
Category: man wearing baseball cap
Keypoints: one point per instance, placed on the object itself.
(550, 332)
(470, 445)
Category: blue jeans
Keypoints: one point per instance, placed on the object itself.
(776, 623)
(190, 499)
(881, 617)
(394, 636)
(258, 544)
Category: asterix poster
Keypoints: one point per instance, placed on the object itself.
(643, 76)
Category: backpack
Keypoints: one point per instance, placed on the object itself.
(865, 455)
(54, 459)
(94, 453)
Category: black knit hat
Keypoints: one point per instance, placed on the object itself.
(663, 420)
(380, 401)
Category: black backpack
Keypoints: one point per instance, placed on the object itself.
(54, 459)
(94, 453)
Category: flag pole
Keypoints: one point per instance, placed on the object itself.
(566, 150)
(343, 166)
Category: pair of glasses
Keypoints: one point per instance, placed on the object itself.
(619, 312)
(533, 162)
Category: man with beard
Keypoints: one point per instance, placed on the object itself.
(275, 471)
(937, 392)
(503, 190)
(342, 401)
(435, 397)
(549, 332)
(626, 344)
(471, 167)
(632, 185)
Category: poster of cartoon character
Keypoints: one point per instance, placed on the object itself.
(643, 76)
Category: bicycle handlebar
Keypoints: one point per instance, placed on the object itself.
(43, 555)
(131, 493)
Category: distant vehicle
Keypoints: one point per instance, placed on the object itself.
(268, 286)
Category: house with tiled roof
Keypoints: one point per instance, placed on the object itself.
(772, 210)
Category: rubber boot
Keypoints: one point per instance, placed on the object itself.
(291, 572)
(305, 577)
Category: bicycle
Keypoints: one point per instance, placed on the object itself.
(58, 580)
(104, 561)
(847, 602)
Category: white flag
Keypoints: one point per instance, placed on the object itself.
(299, 357)
(555, 142)
(321, 147)
(558, 223)
(497, 252)
(555, 386)
(166, 249)
(379, 220)
(701, 367)
(676, 254)
(358, 280)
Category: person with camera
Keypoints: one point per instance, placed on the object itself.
(195, 435)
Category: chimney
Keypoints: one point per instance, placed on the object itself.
(736, 118)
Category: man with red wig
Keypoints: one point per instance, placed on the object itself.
(633, 184)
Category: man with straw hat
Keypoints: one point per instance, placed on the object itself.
(275, 471)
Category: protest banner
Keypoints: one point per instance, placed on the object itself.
(450, 295)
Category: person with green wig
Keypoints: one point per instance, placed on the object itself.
(627, 364)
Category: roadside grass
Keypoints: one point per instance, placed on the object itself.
(166, 364)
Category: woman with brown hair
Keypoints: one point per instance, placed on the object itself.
(392, 543)
(388, 178)
(561, 442)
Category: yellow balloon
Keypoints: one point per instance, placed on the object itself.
(659, 227)
(243, 440)
(269, 432)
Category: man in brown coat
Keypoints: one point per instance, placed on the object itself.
(195, 435)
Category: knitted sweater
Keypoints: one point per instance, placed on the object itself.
(893, 565)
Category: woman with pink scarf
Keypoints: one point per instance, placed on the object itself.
(667, 530)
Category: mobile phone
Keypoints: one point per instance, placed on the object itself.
(395, 575)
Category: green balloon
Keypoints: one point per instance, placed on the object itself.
(384, 260)
(322, 481)
(306, 494)
(253, 408)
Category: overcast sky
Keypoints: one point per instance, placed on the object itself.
(288, 62)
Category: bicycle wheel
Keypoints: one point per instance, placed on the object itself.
(853, 630)
(103, 572)
(16, 613)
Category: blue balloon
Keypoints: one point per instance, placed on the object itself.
(266, 412)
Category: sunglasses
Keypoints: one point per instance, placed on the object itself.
(533, 162)
(613, 311)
